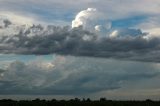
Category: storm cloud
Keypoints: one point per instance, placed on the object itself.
(73, 76)
(127, 44)
(4, 23)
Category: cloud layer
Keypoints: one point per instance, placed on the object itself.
(129, 44)
(83, 39)
(72, 76)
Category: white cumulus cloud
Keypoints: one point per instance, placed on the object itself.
(91, 19)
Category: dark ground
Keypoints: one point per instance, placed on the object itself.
(77, 102)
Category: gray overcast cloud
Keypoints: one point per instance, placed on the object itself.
(127, 44)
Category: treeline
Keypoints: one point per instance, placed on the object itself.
(77, 102)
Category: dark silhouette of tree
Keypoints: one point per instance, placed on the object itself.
(77, 102)
(103, 99)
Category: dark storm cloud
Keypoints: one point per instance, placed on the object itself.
(5, 23)
(75, 76)
(1, 71)
(129, 43)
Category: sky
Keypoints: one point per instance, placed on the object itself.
(87, 48)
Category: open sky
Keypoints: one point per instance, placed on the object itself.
(85, 48)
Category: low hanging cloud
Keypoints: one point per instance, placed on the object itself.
(130, 44)
(73, 76)
(81, 40)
